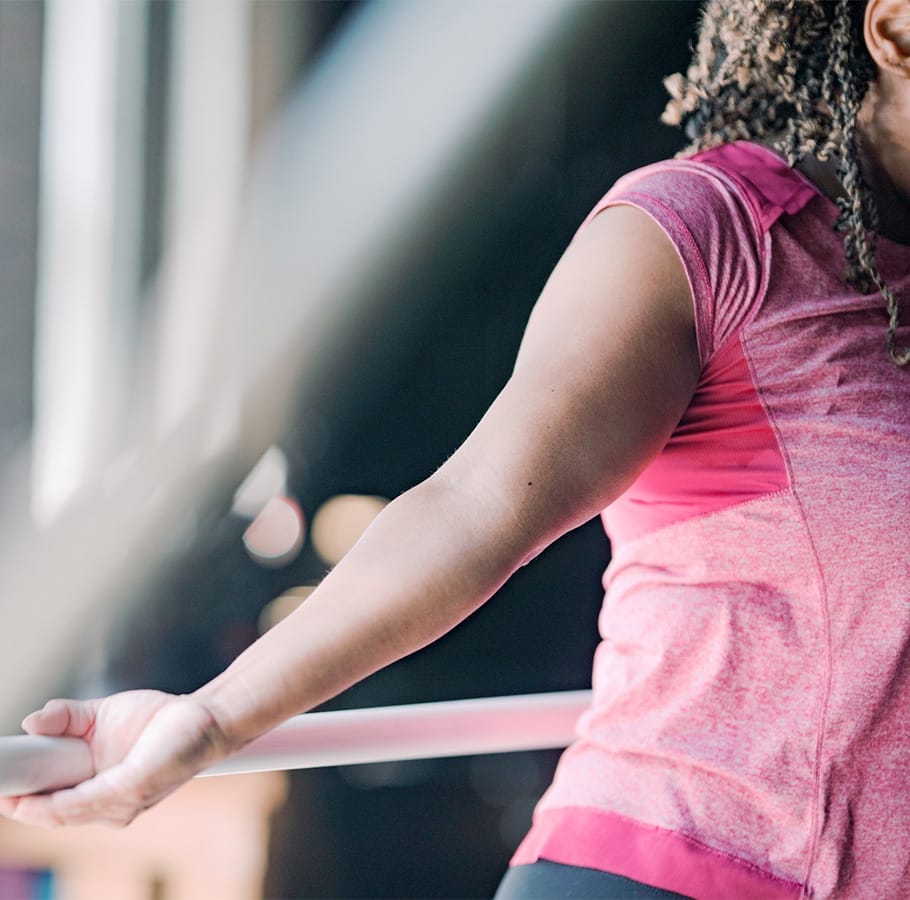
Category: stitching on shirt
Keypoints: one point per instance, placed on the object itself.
(822, 591)
(695, 517)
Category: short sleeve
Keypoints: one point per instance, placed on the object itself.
(717, 233)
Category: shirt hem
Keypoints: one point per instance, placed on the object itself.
(604, 840)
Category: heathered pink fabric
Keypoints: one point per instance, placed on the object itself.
(750, 729)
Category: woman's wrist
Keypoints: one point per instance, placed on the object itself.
(224, 732)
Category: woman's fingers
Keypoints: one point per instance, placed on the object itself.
(8, 806)
(61, 717)
(114, 798)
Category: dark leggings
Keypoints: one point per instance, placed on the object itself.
(544, 880)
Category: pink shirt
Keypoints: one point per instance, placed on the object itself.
(750, 729)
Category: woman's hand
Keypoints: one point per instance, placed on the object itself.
(144, 745)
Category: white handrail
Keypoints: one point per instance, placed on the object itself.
(31, 764)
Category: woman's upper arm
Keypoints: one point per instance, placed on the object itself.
(607, 366)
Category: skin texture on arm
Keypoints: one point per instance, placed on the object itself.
(606, 368)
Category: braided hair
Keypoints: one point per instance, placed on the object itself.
(793, 73)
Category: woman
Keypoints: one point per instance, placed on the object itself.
(711, 365)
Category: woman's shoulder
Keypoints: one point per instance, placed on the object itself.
(715, 208)
(750, 176)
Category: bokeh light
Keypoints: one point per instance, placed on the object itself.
(283, 605)
(340, 521)
(267, 479)
(275, 536)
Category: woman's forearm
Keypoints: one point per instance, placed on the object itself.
(432, 557)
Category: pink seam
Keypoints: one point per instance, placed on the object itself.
(702, 516)
(695, 517)
(826, 625)
(815, 827)
(826, 696)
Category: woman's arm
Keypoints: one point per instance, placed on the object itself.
(606, 368)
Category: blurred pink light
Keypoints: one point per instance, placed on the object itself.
(275, 536)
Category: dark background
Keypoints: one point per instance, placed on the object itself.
(435, 828)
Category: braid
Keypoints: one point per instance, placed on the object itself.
(792, 72)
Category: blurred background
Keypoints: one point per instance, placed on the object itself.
(262, 267)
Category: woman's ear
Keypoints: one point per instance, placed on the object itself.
(887, 33)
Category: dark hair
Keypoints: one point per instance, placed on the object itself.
(793, 73)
